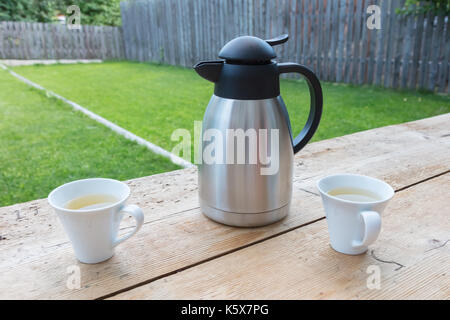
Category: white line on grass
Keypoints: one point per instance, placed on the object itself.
(125, 133)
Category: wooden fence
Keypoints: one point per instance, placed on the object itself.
(330, 36)
(29, 40)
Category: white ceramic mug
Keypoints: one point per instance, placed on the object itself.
(93, 232)
(353, 226)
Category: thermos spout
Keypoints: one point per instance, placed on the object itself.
(210, 70)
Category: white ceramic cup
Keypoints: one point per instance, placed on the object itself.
(93, 232)
(353, 226)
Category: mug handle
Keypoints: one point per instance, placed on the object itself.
(138, 215)
(315, 113)
(372, 228)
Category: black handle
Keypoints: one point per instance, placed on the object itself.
(315, 113)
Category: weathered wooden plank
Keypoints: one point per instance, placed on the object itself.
(153, 31)
(197, 31)
(445, 64)
(245, 17)
(40, 40)
(435, 48)
(341, 42)
(313, 35)
(176, 42)
(348, 58)
(116, 43)
(16, 40)
(125, 28)
(364, 45)
(53, 43)
(268, 18)
(27, 40)
(23, 40)
(334, 38)
(140, 39)
(12, 39)
(297, 37)
(206, 29)
(179, 33)
(143, 25)
(75, 41)
(390, 45)
(357, 42)
(327, 42)
(371, 50)
(407, 51)
(320, 36)
(2, 40)
(6, 39)
(305, 47)
(215, 44)
(410, 255)
(203, 35)
(185, 14)
(381, 42)
(398, 45)
(90, 42)
(133, 34)
(220, 24)
(82, 42)
(176, 235)
(418, 32)
(428, 34)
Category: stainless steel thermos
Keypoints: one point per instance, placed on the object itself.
(246, 124)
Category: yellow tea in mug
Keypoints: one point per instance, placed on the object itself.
(91, 201)
(354, 194)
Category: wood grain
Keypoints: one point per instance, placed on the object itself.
(412, 254)
(35, 253)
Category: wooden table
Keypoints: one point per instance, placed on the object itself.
(181, 254)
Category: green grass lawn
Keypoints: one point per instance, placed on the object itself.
(153, 100)
(43, 144)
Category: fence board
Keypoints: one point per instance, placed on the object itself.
(334, 37)
(428, 34)
(398, 45)
(363, 53)
(435, 48)
(445, 63)
(341, 36)
(381, 36)
(418, 32)
(357, 42)
(407, 47)
(349, 41)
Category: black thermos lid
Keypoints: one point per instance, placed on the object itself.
(247, 50)
(248, 72)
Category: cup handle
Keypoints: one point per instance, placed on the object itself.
(138, 215)
(372, 228)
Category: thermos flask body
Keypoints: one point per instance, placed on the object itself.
(252, 193)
